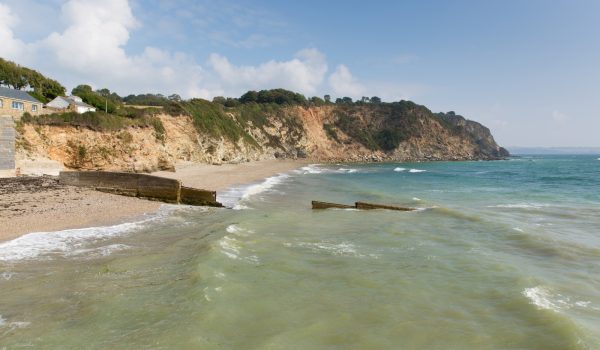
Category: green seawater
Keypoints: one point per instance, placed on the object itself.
(501, 255)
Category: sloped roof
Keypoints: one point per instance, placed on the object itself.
(77, 101)
(17, 94)
(68, 100)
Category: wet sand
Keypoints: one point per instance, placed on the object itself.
(40, 204)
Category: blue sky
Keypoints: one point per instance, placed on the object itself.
(529, 69)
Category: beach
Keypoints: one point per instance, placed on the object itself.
(40, 204)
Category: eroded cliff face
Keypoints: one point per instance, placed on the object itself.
(326, 133)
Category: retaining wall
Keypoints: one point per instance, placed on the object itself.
(7, 146)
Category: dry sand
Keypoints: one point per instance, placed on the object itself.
(220, 177)
(40, 204)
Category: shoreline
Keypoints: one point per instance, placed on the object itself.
(40, 204)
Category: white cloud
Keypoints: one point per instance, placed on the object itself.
(343, 83)
(304, 73)
(10, 47)
(91, 48)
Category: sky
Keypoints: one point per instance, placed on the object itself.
(527, 69)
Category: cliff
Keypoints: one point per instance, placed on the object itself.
(201, 131)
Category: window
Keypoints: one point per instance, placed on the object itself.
(34, 108)
(18, 105)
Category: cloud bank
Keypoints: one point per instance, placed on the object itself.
(91, 48)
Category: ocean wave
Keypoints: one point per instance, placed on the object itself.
(543, 298)
(238, 231)
(99, 251)
(310, 169)
(317, 169)
(234, 196)
(67, 242)
(232, 248)
(339, 249)
(13, 325)
(37, 244)
(520, 206)
(416, 171)
(399, 170)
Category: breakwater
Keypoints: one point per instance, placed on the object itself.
(140, 185)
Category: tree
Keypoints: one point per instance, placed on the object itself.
(175, 98)
(248, 97)
(220, 100)
(365, 99)
(375, 99)
(94, 98)
(17, 77)
(327, 98)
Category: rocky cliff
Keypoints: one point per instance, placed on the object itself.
(201, 131)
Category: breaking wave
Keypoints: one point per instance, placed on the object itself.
(235, 196)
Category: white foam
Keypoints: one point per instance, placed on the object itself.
(45, 244)
(518, 229)
(339, 249)
(234, 197)
(519, 206)
(416, 171)
(399, 170)
(100, 251)
(544, 299)
(36, 244)
(238, 231)
(416, 199)
(229, 247)
(13, 325)
(541, 297)
(232, 248)
(310, 169)
(317, 169)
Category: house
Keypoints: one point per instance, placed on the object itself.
(72, 103)
(16, 102)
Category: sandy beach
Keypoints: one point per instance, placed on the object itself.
(40, 204)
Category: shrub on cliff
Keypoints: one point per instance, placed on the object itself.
(97, 121)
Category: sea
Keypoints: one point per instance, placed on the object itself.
(498, 255)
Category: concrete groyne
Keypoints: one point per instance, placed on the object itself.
(357, 205)
(140, 185)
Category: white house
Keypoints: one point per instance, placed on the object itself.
(73, 103)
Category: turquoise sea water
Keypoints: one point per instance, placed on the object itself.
(501, 255)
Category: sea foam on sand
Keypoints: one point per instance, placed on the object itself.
(71, 242)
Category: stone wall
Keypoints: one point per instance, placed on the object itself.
(7, 146)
